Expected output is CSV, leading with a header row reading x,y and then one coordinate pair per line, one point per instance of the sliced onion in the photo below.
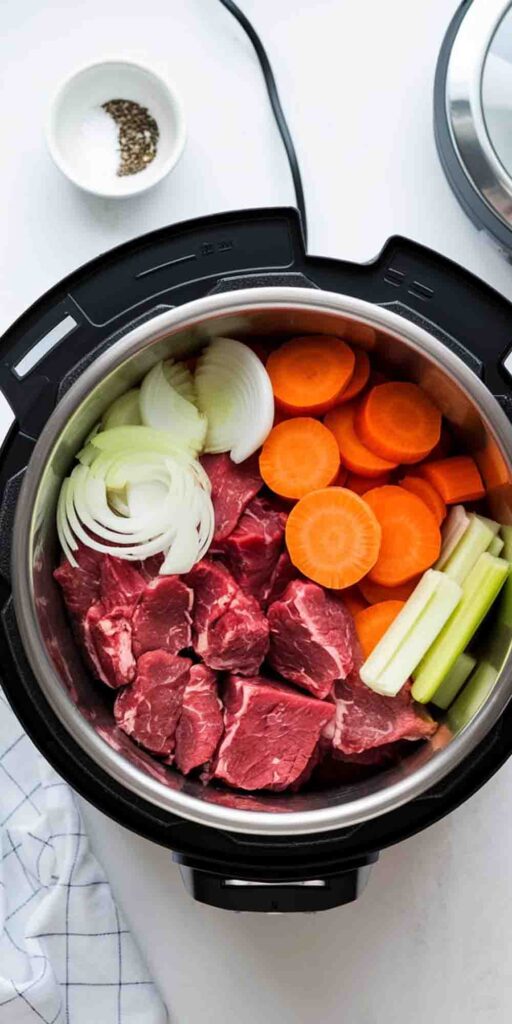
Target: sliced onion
x,y
235,394
164,407
125,411
137,503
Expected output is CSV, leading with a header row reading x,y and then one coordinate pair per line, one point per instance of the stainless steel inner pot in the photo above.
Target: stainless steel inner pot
x,y
83,706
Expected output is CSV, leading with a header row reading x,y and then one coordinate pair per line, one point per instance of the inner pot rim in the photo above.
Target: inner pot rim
x,y
193,315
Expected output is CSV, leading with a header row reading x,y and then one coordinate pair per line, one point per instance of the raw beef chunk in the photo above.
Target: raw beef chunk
x,y
271,733
121,584
84,630
162,619
233,487
230,632
201,722
111,635
150,567
149,709
365,719
80,586
282,575
311,637
252,549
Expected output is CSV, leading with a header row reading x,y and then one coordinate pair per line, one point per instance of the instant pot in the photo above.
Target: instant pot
x,y
84,343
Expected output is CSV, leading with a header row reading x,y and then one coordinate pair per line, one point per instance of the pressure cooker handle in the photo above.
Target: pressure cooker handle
x,y
304,896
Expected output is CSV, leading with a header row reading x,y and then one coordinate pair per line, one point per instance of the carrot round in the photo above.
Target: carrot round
x,y
456,479
427,493
359,377
299,455
354,601
399,422
411,539
333,537
353,454
310,374
373,622
362,484
375,594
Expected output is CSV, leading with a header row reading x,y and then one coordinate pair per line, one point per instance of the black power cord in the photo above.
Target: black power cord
x,y
277,109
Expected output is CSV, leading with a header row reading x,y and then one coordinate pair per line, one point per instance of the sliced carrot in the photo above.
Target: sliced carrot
x,y
341,478
359,377
374,593
411,538
353,600
362,484
333,537
427,493
456,479
299,455
353,454
399,422
310,374
373,622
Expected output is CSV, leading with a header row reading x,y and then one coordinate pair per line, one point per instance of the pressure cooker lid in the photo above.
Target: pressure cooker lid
x,y
473,114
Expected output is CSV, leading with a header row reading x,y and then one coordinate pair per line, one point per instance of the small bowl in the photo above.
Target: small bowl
x,y
83,142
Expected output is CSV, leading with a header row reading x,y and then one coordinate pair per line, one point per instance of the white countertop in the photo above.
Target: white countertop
x,y
431,939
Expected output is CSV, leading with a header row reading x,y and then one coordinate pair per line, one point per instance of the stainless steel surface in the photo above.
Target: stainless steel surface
x,y
83,707
479,102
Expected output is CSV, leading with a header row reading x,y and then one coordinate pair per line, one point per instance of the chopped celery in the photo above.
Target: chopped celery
x,y
454,681
505,610
475,540
496,546
125,411
480,588
411,634
476,690
453,529
492,524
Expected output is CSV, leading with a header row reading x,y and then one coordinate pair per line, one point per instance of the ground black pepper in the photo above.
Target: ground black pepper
x,y
138,135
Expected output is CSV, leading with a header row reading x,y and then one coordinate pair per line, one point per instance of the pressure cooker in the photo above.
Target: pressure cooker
x,y
93,336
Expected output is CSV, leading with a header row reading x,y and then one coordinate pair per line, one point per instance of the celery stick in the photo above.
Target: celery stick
x,y
411,634
476,690
492,524
496,546
505,609
475,540
453,529
454,681
479,590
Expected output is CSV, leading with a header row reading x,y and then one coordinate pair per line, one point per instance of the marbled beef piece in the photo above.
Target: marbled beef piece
x,y
162,619
230,632
80,586
312,637
252,549
149,709
121,584
201,721
233,487
271,733
111,637
365,719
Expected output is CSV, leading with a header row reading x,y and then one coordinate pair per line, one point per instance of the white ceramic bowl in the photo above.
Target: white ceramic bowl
x,y
83,143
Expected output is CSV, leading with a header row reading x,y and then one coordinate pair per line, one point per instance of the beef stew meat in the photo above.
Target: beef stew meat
x,y
252,549
201,722
150,708
233,487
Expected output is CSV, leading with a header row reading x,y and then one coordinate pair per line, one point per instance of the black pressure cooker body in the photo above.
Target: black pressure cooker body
x,y
49,348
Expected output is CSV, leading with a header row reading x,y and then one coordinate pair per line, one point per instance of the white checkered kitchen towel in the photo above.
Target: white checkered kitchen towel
x,y
66,956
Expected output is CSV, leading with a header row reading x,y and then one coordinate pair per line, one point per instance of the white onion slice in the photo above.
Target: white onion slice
x,y
234,391
164,408
133,502
125,411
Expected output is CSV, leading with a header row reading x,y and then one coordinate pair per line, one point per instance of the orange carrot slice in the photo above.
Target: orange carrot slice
x,y
333,537
299,455
353,600
399,422
362,484
374,593
427,493
411,538
353,454
309,374
456,479
359,377
373,622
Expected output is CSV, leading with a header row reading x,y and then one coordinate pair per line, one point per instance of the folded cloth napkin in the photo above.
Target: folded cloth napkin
x,y
66,955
